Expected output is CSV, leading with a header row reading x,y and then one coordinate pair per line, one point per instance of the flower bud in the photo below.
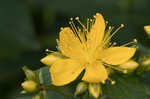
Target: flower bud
x,y
129,65
81,88
95,89
51,58
37,96
31,75
147,29
30,86
146,64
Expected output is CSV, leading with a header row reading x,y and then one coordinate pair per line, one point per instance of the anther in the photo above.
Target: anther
x,y
77,18
103,81
113,82
135,40
97,14
109,27
106,22
94,16
61,28
71,19
114,43
122,25
47,50
69,22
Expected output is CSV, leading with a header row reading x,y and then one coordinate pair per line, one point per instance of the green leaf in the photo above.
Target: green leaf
x,y
127,87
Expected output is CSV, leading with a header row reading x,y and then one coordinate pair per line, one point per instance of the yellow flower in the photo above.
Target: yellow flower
x,y
87,48
147,29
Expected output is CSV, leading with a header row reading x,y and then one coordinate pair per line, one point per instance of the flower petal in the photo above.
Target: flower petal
x,y
117,55
69,44
65,71
95,72
97,32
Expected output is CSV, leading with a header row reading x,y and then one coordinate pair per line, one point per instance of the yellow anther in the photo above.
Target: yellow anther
x,y
122,25
97,14
114,43
103,82
106,22
94,16
61,28
109,27
69,22
71,19
135,40
47,50
113,82
77,18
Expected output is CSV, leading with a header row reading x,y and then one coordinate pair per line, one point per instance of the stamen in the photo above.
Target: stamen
x,y
132,42
61,28
121,26
94,16
107,35
110,28
47,50
71,19
75,31
92,22
112,81
116,68
85,30
113,44
106,23
77,18
103,82
97,14
87,26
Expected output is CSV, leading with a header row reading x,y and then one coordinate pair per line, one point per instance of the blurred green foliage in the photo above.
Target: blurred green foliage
x,y
27,27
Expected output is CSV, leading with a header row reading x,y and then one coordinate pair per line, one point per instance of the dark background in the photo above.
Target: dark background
x,y
28,27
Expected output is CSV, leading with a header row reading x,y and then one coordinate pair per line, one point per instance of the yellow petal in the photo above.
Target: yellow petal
x,y
97,32
51,58
95,72
65,71
69,44
147,29
117,55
